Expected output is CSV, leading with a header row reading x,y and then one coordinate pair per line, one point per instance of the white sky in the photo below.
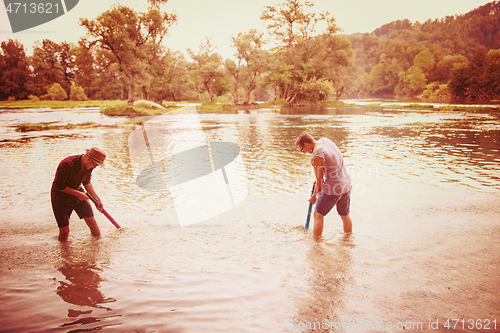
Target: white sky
x,y
221,19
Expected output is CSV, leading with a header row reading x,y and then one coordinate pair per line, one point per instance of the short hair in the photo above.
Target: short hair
x,y
304,138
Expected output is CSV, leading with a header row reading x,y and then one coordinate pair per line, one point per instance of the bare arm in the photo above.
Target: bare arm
x,y
80,195
317,163
90,188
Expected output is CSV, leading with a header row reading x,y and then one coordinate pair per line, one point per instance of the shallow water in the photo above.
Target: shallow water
x,y
425,212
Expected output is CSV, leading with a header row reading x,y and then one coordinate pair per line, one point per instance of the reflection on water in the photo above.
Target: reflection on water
x,y
82,278
424,208
81,268
329,274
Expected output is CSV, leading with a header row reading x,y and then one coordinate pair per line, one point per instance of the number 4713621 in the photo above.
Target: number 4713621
x,y
32,8
479,324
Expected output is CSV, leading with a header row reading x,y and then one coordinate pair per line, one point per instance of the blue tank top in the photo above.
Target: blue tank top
x,y
336,179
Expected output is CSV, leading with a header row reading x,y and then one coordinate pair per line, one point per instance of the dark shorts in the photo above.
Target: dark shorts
x,y
325,203
62,212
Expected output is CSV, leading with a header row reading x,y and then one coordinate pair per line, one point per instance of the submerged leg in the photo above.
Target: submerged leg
x,y
63,233
94,228
346,219
318,225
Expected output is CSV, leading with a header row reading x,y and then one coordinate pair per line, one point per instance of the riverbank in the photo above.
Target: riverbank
x,y
118,108
31,127
28,104
110,108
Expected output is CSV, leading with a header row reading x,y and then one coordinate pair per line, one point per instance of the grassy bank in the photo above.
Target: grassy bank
x,y
111,108
31,127
27,104
140,108
429,107
209,107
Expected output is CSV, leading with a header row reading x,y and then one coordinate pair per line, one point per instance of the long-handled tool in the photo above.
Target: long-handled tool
x,y
306,226
112,220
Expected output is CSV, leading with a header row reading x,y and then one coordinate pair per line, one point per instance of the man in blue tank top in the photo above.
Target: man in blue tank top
x,y
333,183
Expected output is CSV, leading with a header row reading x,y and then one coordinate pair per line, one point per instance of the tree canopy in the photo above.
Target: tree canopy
x,y
306,60
131,38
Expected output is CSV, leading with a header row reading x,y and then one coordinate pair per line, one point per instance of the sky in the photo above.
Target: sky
x,y
219,20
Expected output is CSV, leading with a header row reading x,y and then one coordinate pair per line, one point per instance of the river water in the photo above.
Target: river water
x,y
424,251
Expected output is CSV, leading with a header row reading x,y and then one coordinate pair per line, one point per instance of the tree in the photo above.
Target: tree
x,y
129,36
424,60
253,62
57,93
449,41
308,47
207,68
170,78
383,78
411,83
444,67
478,78
111,82
67,62
47,67
458,81
85,70
234,69
493,70
15,75
77,93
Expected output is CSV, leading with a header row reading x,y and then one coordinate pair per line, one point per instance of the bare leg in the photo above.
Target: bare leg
x,y
346,219
63,233
94,228
318,225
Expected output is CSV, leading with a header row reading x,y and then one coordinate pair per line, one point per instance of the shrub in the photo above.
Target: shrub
x,y
33,98
57,93
77,93
121,110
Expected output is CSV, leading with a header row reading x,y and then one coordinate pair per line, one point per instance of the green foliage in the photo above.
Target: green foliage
x,y
86,75
132,39
309,51
442,71
411,83
424,61
39,104
170,79
57,93
77,93
15,75
434,47
208,72
30,127
125,109
253,63
478,78
434,90
382,79
51,64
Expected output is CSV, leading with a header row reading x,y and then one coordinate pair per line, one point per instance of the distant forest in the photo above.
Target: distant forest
x,y
456,56
122,57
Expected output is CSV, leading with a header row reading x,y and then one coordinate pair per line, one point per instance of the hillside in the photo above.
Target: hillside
x,y
385,59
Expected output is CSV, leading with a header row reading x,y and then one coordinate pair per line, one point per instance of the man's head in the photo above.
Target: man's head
x,y
93,158
305,142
